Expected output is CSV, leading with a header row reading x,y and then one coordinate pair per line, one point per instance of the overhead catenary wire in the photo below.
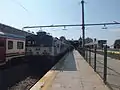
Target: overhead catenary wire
x,y
30,15
24,8
99,24
21,5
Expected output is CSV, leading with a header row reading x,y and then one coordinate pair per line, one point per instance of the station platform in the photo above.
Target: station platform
x,y
72,72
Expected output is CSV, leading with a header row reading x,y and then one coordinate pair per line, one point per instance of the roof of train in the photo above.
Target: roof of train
x,y
8,29
45,40
8,35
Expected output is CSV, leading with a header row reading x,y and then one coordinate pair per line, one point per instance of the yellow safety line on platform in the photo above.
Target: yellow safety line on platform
x,y
49,81
45,81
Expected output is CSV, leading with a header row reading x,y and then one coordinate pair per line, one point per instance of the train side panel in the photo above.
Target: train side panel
x,y
38,50
2,50
14,48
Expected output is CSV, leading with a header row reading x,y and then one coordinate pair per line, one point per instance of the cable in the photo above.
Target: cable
x,y
31,15
17,2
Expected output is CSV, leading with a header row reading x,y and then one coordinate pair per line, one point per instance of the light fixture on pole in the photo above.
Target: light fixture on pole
x,y
115,22
104,27
64,28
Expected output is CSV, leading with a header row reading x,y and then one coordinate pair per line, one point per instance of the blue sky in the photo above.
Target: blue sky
x,y
47,12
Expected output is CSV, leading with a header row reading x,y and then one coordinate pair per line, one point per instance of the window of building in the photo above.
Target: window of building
x,y
1,43
10,44
20,45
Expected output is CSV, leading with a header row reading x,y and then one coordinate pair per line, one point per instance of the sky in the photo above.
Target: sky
x,y
20,13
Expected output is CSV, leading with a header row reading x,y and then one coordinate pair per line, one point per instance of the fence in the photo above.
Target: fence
x,y
102,62
91,57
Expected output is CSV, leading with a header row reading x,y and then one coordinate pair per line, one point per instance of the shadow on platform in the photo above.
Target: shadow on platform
x,y
68,64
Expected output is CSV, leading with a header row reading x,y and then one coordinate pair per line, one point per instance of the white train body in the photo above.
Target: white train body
x,y
44,45
11,46
38,50
16,51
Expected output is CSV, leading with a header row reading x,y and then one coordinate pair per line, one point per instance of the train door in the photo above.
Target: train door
x,y
2,50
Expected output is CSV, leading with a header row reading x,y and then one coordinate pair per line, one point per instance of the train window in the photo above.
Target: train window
x,y
37,48
1,44
37,53
50,49
20,45
58,45
10,44
33,42
29,42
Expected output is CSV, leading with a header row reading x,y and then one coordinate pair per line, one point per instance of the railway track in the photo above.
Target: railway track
x,y
25,84
21,77
24,75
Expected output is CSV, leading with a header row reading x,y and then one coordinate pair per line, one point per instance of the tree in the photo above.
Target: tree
x,y
117,44
88,40
29,31
62,38
80,39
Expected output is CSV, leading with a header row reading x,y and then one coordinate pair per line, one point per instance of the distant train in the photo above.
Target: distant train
x,y
15,46
43,44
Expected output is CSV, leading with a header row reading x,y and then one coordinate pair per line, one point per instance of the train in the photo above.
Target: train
x,y
43,46
11,46
40,45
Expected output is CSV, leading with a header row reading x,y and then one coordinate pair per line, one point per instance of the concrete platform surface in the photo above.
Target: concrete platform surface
x,y
71,73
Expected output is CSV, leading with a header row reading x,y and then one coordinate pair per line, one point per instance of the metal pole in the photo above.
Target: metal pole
x,y
95,57
83,27
105,64
86,54
90,56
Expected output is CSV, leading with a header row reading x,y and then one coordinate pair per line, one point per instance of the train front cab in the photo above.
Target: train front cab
x,y
2,50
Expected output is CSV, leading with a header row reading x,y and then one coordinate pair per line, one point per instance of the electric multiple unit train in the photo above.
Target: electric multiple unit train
x,y
15,46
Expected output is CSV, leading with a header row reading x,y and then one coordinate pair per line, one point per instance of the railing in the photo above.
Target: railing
x,y
106,64
91,58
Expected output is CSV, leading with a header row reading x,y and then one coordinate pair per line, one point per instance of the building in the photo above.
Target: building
x,y
101,43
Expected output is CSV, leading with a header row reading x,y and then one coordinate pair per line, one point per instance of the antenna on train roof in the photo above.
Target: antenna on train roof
x,y
40,30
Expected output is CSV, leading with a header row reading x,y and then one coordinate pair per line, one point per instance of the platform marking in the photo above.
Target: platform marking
x,y
44,82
